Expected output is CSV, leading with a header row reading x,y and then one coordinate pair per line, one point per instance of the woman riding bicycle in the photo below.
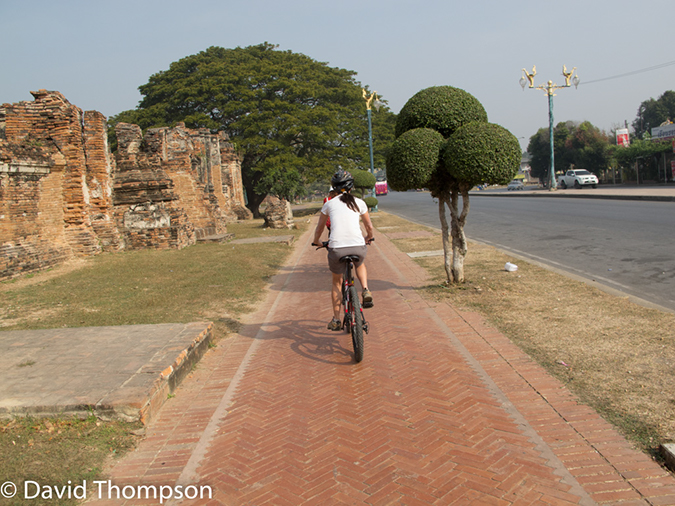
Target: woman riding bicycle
x,y
346,238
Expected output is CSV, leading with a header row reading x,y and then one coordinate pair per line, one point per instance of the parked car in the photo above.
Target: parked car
x,y
516,184
578,178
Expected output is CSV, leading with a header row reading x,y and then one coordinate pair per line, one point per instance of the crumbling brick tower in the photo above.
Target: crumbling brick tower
x,y
55,191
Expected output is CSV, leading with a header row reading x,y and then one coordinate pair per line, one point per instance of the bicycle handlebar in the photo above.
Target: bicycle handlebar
x,y
324,244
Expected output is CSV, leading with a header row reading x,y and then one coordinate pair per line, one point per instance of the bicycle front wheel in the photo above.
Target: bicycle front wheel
x,y
357,324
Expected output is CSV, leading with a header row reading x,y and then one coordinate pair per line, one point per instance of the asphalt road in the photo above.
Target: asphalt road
x,y
625,245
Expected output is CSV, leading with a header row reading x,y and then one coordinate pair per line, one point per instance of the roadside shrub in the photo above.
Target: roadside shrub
x,y
370,202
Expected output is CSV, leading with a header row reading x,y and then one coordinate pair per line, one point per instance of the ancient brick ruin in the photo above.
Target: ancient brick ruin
x,y
63,195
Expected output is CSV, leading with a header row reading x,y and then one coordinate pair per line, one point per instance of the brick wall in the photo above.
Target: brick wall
x,y
63,195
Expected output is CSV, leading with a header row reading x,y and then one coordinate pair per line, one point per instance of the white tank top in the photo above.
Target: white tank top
x,y
345,226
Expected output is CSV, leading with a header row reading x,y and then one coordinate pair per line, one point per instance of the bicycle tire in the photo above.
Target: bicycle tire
x,y
346,321
357,324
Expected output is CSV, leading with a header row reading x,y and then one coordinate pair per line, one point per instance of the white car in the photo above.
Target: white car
x,y
578,178
516,184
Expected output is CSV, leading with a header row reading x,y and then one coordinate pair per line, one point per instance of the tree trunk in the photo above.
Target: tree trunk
x,y
254,202
459,247
444,200
250,179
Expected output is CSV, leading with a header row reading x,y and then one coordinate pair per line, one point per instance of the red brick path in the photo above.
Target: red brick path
x,y
442,410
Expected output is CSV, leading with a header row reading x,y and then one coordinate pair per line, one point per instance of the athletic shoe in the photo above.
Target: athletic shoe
x,y
367,298
335,324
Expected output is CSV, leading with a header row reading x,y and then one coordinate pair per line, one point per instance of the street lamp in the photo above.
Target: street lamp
x,y
371,100
549,89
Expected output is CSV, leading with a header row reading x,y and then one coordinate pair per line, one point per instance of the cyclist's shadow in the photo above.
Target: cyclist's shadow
x,y
311,339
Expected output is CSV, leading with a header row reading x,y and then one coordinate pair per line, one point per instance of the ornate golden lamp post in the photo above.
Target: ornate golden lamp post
x,y
549,89
370,101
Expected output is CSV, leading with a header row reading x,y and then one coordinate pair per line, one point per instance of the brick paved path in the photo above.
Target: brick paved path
x,y
443,410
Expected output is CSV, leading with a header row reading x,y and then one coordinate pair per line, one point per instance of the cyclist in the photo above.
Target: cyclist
x,y
346,238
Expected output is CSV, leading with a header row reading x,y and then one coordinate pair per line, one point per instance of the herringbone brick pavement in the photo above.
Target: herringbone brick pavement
x,y
442,410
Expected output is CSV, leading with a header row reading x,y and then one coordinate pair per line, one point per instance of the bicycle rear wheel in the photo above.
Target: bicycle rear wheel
x,y
357,324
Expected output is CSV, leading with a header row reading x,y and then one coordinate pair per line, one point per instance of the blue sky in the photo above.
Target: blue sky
x,y
97,53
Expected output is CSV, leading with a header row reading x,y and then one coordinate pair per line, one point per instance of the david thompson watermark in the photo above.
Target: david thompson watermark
x,y
104,490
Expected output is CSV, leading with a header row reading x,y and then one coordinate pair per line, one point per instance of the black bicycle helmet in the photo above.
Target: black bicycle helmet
x,y
342,181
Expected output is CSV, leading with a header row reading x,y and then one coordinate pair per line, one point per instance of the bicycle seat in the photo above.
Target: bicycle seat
x,y
350,258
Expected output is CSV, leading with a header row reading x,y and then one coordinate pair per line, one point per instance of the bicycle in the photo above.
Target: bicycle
x,y
354,322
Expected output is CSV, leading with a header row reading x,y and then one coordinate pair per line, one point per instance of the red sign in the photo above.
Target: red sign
x,y
622,137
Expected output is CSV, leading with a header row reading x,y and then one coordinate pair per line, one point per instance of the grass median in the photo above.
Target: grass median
x,y
615,355
212,282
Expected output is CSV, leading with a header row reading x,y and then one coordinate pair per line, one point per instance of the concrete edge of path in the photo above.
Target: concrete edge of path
x,y
93,389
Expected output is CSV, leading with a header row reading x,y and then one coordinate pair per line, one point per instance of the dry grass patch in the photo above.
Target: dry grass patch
x,y
617,356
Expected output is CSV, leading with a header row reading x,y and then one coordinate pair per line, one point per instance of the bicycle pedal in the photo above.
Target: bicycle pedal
x,y
365,327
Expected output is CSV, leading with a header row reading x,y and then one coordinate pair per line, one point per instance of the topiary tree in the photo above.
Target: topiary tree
x,y
363,180
444,143
371,202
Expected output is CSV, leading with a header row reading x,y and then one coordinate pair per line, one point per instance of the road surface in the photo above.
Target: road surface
x,y
625,245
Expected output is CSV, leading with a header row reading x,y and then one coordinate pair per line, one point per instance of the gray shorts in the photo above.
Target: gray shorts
x,y
334,256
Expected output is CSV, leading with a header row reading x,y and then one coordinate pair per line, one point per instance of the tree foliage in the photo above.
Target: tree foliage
x,y
647,153
481,153
441,108
582,146
371,202
293,119
363,180
653,113
413,158
445,143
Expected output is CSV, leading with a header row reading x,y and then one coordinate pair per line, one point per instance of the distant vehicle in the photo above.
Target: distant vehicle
x,y
577,178
516,184
381,188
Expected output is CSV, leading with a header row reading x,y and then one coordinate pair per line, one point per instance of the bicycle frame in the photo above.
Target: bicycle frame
x,y
348,306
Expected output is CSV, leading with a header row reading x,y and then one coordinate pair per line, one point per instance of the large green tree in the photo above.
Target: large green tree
x,y
582,145
653,113
294,120
588,148
445,143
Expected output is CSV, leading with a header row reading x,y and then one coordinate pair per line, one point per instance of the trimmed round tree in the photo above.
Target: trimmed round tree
x,y
413,158
363,180
445,143
371,202
441,108
476,153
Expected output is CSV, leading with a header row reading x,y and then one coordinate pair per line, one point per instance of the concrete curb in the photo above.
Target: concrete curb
x,y
651,198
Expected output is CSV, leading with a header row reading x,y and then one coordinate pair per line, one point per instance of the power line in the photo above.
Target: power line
x,y
648,69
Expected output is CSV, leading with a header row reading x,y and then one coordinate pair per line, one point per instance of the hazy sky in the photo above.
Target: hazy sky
x,y
97,53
